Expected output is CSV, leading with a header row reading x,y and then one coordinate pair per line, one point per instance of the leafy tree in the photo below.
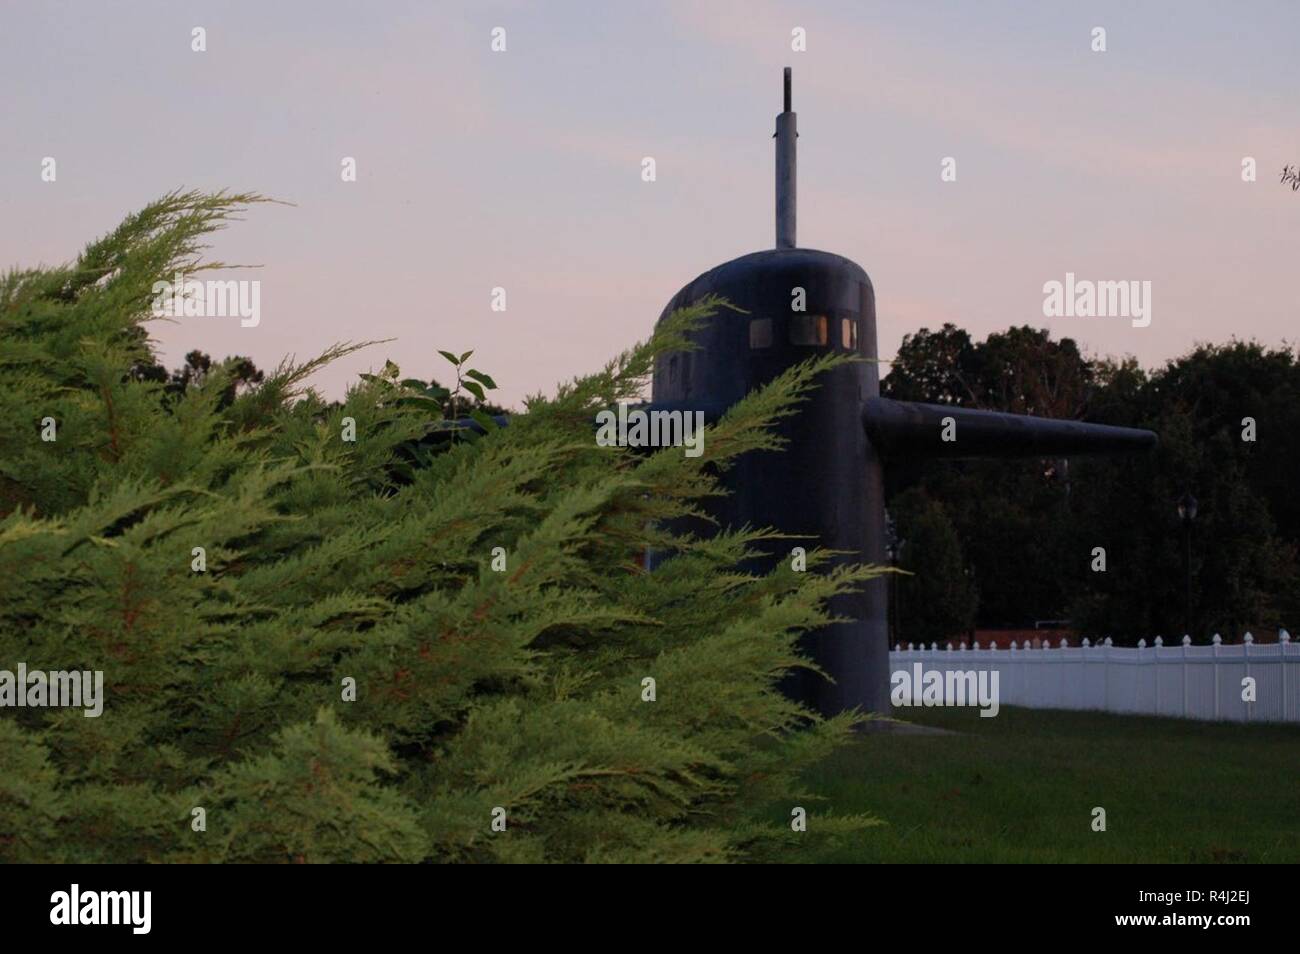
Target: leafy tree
x,y
240,371
1244,538
466,399
937,600
1019,371
1011,516
934,367
335,664
1031,529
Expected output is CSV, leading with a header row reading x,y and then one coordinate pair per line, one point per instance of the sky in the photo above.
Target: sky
x,y
522,169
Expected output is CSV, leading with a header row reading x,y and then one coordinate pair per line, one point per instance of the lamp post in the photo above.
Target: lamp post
x,y
1186,514
894,552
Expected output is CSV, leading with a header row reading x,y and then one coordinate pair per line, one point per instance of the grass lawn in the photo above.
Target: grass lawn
x,y
1022,787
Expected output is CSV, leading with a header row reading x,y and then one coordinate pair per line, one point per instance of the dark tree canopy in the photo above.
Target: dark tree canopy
x,y
1029,529
937,599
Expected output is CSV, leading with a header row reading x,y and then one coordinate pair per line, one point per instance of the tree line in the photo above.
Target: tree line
x,y
1099,542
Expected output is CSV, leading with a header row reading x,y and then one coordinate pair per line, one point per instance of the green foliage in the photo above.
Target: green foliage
x,y
1244,539
198,365
1020,370
329,561
937,601
1029,527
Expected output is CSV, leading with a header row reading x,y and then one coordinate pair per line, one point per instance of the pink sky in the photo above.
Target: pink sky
x,y
522,169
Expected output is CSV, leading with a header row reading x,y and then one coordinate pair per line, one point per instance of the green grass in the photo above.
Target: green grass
x,y
1021,787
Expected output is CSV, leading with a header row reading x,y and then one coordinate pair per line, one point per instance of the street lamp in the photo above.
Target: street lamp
x,y
894,553
1186,514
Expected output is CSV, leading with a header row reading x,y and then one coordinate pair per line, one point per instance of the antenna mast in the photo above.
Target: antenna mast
x,y
786,134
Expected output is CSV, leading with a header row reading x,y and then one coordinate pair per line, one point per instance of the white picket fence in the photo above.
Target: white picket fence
x,y
1190,682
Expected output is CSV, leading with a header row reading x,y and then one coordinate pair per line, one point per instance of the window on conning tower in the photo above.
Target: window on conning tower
x,y
808,330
